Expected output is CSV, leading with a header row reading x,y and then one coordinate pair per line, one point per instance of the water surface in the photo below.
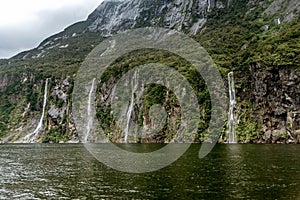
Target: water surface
x,y
64,171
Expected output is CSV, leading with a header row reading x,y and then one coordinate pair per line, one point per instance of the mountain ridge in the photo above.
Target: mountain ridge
x,y
203,8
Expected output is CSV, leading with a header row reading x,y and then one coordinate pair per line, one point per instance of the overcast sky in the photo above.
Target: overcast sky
x,y
25,23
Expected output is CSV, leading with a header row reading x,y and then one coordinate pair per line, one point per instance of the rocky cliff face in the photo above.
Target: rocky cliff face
x,y
114,16
276,103
267,84
57,124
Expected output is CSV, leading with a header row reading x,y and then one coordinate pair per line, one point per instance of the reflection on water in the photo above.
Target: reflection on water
x,y
230,171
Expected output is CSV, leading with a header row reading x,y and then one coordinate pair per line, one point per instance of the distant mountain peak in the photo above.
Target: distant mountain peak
x,y
117,15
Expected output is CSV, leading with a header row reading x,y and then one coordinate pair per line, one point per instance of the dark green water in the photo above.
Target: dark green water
x,y
68,171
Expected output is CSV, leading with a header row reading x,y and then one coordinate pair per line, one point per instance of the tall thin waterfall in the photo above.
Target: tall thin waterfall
x,y
131,105
232,102
90,115
31,137
40,125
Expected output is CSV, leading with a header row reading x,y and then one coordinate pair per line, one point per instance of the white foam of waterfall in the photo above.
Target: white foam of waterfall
x,y
232,102
90,116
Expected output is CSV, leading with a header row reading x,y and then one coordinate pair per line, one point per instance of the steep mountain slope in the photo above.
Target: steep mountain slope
x,y
258,40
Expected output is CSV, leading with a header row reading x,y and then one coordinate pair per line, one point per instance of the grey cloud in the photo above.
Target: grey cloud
x,y
26,36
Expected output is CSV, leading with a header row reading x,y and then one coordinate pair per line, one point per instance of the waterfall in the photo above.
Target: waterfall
x,y
90,116
232,102
131,105
209,6
40,124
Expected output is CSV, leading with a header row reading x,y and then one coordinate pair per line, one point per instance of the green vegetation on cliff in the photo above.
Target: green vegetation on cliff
x,y
242,37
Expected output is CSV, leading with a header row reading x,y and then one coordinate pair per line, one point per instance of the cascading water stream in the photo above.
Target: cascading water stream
x,y
40,124
90,116
130,107
232,102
